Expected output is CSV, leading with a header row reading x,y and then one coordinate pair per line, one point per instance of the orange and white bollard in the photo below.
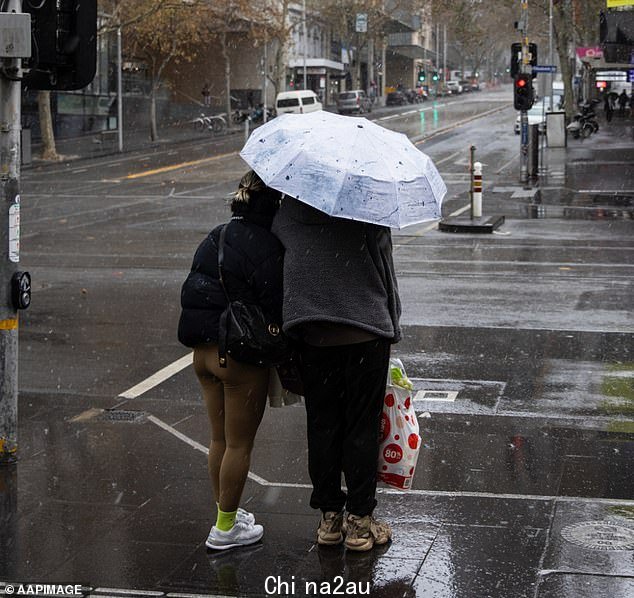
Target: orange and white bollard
x,y
476,201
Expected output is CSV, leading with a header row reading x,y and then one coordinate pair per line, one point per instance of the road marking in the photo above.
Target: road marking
x,y
140,175
507,164
446,396
10,324
419,140
158,377
604,192
451,493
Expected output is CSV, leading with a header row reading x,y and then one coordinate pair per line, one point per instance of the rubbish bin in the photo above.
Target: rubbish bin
x,y
556,129
25,145
533,150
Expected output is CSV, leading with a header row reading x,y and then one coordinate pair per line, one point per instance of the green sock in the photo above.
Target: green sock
x,y
225,521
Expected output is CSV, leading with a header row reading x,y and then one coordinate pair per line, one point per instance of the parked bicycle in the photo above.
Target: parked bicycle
x,y
215,123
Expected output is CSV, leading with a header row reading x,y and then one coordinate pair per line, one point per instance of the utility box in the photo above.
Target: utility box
x,y
556,129
15,35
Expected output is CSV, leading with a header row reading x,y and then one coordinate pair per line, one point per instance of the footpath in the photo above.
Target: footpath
x,y
525,482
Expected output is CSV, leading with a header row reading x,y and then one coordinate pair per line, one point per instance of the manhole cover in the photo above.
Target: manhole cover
x,y
120,415
599,535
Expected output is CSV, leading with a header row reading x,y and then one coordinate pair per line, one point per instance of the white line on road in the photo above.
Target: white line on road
x,y
507,164
158,377
262,482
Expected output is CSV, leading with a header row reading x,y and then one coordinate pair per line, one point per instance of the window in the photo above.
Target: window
x,y
288,102
308,100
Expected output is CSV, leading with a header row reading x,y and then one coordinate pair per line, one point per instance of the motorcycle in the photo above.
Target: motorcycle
x,y
584,123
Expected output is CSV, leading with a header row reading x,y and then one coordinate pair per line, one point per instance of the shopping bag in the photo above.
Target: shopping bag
x,y
278,395
399,437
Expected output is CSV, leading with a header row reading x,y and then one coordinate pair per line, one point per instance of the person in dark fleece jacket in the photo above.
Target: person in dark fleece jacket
x,y
235,395
341,305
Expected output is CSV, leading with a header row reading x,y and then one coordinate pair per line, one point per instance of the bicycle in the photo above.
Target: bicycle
x,y
215,123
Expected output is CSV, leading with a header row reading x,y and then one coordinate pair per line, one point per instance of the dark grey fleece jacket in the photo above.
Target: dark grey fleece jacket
x,y
337,271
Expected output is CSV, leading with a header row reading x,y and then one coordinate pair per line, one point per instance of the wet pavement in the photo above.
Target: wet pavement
x,y
519,345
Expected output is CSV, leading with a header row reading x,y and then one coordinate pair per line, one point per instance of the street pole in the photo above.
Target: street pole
x,y
265,69
305,39
437,60
524,68
10,117
119,90
551,75
444,54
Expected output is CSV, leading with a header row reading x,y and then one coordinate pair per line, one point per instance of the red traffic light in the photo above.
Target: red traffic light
x,y
521,82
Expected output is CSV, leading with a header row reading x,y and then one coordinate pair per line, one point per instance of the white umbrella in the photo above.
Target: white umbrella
x,y
347,167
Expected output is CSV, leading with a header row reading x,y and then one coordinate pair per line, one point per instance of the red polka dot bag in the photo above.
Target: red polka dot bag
x,y
399,438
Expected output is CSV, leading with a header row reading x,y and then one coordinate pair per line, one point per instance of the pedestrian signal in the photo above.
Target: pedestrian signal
x,y
523,91
65,44
435,76
421,75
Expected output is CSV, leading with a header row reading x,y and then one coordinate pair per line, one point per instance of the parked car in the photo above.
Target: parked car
x,y
297,102
454,87
355,100
466,86
395,98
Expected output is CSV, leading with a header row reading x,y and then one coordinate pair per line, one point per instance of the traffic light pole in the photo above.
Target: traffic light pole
x,y
524,68
10,106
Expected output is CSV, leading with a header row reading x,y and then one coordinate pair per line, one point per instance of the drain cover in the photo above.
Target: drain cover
x,y
121,415
599,535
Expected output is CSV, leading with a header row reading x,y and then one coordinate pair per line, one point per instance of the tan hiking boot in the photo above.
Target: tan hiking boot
x,y
362,533
329,532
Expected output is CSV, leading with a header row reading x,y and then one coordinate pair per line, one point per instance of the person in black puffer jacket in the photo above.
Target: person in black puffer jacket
x,y
235,395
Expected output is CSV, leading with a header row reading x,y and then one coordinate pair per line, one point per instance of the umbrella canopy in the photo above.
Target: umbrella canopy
x,y
347,167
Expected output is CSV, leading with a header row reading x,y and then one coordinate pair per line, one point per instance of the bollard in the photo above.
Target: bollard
x,y
476,195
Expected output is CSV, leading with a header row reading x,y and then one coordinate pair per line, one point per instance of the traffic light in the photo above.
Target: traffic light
x,y
434,76
421,75
64,33
523,91
516,57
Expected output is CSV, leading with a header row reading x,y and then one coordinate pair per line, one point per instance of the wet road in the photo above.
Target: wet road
x,y
526,333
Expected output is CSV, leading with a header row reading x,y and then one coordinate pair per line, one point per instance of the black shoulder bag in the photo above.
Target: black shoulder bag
x,y
245,332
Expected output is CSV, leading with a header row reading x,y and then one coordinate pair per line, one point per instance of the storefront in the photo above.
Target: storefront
x,y
322,76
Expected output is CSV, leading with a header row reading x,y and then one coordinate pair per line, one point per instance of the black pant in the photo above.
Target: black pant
x,y
344,387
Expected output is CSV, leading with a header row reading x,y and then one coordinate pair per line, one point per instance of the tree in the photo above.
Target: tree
x,y
49,150
159,33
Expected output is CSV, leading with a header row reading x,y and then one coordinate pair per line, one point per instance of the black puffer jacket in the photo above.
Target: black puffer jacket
x,y
252,271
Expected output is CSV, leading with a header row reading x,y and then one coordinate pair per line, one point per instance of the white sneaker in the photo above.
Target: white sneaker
x,y
243,515
241,534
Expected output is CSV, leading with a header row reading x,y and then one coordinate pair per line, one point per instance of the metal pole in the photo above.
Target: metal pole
x,y
444,55
437,59
384,76
524,68
10,121
264,107
551,75
472,150
305,39
119,89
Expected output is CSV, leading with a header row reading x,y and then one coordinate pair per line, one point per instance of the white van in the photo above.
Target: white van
x,y
297,102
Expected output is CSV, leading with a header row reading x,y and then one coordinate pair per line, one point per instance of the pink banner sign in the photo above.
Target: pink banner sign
x,y
590,52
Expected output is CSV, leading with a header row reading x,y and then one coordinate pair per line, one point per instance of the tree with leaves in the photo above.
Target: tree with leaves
x,y
160,33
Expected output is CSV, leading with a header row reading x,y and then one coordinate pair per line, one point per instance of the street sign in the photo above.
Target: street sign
x,y
544,68
362,23
630,76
